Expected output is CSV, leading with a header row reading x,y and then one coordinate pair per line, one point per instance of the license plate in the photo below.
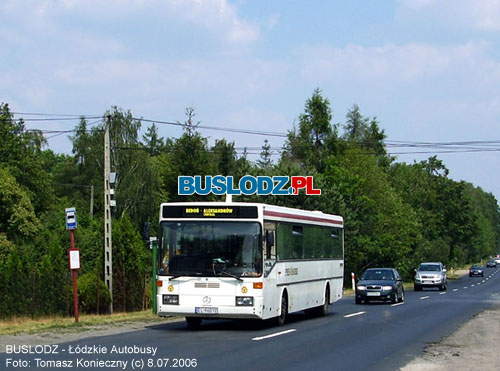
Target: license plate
x,y
206,310
373,294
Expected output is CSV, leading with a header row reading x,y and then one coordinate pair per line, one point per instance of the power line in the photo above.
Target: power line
x,y
219,128
53,114
437,147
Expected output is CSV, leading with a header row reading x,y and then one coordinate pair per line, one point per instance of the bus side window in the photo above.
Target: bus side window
x,y
298,241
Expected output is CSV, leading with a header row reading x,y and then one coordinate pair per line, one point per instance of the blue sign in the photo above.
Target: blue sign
x,y
70,218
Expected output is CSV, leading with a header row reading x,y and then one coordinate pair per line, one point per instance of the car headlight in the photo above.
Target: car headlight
x,y
386,288
361,288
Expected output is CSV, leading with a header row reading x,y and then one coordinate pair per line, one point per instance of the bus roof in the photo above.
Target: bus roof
x,y
269,212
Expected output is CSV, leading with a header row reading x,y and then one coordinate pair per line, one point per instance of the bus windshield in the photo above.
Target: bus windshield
x,y
210,248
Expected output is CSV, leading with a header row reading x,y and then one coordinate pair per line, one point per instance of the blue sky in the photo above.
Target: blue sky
x,y
429,70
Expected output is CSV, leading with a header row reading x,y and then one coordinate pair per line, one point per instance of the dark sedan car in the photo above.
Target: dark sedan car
x,y
380,284
476,270
491,263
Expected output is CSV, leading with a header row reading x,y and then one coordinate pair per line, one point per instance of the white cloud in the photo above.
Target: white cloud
x,y
217,16
481,15
405,64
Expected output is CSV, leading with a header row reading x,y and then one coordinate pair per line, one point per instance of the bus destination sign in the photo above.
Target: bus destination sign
x,y
204,212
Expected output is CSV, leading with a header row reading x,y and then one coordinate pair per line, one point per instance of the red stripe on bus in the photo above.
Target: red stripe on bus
x,y
301,217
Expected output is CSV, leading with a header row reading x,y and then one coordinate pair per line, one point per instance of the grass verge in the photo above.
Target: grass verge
x,y
17,325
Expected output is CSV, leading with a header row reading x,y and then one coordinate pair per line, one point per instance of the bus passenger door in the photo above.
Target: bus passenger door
x,y
271,304
269,247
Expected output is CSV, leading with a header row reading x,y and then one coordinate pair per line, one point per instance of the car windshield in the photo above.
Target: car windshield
x,y
210,249
429,268
378,274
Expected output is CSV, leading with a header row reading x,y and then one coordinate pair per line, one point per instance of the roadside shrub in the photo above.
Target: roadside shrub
x,y
93,295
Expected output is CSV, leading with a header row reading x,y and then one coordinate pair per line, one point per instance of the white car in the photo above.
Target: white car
x,y
430,275
497,260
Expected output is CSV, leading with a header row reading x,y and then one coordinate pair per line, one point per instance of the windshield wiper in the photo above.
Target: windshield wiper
x,y
185,274
228,274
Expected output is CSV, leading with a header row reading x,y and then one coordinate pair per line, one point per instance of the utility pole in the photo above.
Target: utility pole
x,y
91,202
108,252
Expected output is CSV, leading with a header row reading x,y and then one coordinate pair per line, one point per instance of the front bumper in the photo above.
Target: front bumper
x,y
225,307
476,273
429,282
368,295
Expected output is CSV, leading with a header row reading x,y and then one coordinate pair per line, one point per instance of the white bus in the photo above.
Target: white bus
x,y
247,260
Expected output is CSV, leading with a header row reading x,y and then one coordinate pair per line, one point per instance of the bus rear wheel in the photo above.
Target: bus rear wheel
x,y
193,322
280,320
323,310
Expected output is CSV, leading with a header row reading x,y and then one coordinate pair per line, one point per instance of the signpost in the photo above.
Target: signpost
x,y
73,254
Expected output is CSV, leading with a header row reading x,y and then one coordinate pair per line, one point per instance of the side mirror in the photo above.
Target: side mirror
x,y
269,239
269,243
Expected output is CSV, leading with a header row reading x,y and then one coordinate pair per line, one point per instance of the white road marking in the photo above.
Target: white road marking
x,y
465,287
424,297
470,286
354,314
395,305
455,290
443,293
275,334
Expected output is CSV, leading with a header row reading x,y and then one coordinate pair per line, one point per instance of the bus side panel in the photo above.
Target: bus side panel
x,y
305,281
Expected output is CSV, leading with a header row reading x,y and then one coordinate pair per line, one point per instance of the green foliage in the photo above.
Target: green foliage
x,y
93,295
131,266
17,215
395,214
20,152
316,136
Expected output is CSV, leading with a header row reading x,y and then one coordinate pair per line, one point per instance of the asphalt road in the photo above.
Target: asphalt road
x,y
352,337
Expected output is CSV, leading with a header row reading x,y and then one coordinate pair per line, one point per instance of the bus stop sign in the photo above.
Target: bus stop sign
x,y
70,218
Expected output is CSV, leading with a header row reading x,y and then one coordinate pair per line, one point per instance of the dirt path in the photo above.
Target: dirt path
x,y
474,346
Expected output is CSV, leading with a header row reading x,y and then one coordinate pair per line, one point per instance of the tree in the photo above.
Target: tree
x,y
17,215
153,143
225,157
265,160
316,136
363,132
131,265
20,152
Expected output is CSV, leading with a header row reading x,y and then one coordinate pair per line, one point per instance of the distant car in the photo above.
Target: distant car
x,y
430,275
380,284
491,263
476,270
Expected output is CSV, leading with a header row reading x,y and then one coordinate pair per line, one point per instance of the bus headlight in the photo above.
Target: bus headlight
x,y
244,301
171,299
